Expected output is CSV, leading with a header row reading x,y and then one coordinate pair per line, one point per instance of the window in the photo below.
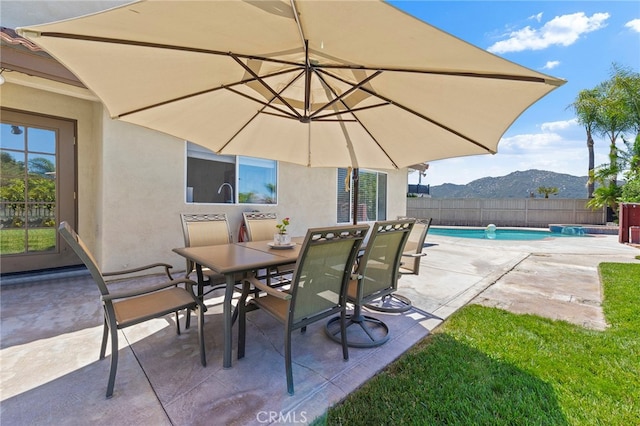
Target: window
x,y
215,178
372,196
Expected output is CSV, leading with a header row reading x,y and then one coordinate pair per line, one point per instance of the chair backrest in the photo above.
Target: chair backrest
x,y
415,245
322,272
204,230
260,226
380,262
84,254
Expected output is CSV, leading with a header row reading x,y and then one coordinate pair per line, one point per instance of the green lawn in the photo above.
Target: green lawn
x,y
40,239
486,366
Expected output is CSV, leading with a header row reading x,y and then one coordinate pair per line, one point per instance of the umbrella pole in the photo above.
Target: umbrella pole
x,y
355,188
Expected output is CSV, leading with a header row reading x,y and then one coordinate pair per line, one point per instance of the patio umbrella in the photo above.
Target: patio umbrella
x,y
318,83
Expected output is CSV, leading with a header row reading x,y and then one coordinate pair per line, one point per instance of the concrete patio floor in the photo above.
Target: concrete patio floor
x,y
51,331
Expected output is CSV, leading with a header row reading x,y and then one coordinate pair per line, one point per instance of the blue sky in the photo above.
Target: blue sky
x,y
574,40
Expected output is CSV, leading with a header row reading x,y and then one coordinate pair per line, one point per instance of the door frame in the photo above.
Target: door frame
x,y
66,191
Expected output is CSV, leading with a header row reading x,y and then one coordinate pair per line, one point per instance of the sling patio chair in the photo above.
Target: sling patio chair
x,y
206,230
129,307
410,265
376,276
261,226
318,288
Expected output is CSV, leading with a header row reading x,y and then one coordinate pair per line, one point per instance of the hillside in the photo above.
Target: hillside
x,y
515,185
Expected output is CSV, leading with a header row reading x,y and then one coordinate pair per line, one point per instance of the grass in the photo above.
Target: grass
x,y
40,239
486,366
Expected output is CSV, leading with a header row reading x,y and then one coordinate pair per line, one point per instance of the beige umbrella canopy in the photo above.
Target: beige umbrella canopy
x,y
317,83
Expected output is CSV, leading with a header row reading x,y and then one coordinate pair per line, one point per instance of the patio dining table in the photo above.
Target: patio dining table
x,y
232,259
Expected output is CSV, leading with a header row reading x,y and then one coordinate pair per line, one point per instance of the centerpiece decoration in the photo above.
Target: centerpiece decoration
x,y
281,237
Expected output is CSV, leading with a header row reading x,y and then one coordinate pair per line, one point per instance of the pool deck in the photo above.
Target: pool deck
x,y
51,330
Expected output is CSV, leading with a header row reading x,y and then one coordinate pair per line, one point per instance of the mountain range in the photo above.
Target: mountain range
x,y
520,184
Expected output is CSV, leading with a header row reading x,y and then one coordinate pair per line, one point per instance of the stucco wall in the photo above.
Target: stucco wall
x,y
144,193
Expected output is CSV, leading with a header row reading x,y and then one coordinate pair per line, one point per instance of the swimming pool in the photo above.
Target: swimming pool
x,y
500,234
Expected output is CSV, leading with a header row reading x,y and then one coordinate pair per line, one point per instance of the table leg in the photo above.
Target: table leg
x,y
227,309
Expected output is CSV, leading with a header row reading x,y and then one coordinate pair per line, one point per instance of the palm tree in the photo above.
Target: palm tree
x,y
586,107
547,190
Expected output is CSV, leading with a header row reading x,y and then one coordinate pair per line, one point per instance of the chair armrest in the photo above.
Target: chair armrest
x,y
140,291
166,267
269,290
413,254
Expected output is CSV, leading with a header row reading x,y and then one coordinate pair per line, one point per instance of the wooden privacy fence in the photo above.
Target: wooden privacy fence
x,y
527,212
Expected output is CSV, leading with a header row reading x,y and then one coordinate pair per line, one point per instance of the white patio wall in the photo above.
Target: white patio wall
x,y
529,212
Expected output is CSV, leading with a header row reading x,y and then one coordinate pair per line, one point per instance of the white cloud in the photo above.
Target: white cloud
x,y
634,25
559,147
554,126
551,65
537,17
562,30
528,142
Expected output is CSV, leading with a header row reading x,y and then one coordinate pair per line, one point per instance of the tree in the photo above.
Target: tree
x,y
586,106
612,120
618,113
42,166
547,190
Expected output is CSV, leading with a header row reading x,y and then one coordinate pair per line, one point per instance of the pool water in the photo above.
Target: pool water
x,y
500,234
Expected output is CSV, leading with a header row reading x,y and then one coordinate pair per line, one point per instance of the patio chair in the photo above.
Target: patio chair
x,y
411,256
376,276
130,307
206,230
318,288
261,226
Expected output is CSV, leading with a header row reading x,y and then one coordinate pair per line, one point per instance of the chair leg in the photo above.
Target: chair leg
x,y
241,312
203,357
105,336
187,322
201,296
242,325
114,360
287,360
178,322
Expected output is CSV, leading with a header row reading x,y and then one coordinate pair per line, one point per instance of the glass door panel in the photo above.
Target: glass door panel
x,y
32,148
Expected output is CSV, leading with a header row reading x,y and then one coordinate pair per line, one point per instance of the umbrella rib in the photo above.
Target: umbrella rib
x,y
138,43
284,113
262,111
359,122
448,73
266,86
202,92
268,104
332,114
416,113
346,93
